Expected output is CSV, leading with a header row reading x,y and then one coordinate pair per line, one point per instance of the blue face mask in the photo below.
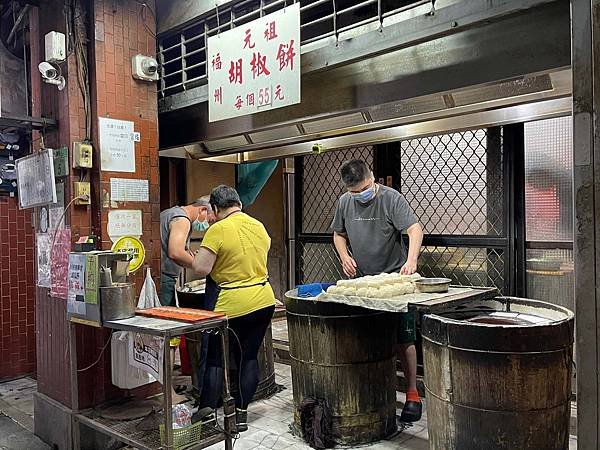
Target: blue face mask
x,y
200,226
366,195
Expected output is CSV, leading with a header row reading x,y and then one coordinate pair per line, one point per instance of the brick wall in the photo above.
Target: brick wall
x,y
17,293
116,32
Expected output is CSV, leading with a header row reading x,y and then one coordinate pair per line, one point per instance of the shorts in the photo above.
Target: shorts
x,y
407,333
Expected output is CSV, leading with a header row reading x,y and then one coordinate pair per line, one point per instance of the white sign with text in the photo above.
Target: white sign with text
x,y
255,66
117,147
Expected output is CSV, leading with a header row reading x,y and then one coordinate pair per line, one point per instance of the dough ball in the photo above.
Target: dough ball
x,y
362,292
345,283
334,289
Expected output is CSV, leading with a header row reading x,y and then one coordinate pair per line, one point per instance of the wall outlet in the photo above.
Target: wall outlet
x,y
82,155
82,188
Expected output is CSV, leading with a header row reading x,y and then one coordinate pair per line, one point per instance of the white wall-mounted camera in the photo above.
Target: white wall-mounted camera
x,y
144,68
51,74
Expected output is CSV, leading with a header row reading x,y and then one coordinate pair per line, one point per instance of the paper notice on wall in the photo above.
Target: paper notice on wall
x,y
146,353
124,222
43,259
129,190
117,147
59,263
55,219
76,284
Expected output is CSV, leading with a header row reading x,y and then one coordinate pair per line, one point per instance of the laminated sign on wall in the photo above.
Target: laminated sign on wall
x,y
117,145
255,66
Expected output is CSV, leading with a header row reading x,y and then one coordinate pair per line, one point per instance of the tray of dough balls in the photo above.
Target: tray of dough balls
x,y
384,292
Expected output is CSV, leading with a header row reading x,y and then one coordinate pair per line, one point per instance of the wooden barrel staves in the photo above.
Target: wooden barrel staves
x,y
498,376
345,356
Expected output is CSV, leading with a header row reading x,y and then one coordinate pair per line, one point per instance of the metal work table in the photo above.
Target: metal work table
x,y
126,431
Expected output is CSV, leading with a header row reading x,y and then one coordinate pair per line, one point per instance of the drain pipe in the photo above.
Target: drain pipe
x,y
290,220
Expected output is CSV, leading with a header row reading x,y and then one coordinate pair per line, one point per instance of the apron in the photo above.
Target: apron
x,y
211,296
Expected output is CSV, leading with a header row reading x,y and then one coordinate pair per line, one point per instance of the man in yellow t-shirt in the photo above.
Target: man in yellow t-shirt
x,y
234,253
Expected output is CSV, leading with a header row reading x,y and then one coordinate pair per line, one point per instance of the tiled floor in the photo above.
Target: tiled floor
x,y
16,416
269,421
269,424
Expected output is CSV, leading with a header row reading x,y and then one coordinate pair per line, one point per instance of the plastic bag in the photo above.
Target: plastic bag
x,y
124,375
182,416
148,295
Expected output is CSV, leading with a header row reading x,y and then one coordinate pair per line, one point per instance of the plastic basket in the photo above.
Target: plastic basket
x,y
183,437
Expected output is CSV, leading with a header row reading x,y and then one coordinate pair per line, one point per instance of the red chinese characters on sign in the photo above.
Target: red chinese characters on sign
x,y
238,102
216,62
285,55
259,65
219,95
235,72
248,40
278,93
250,99
270,32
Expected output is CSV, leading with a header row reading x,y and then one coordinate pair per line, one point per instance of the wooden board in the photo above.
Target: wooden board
x,y
180,314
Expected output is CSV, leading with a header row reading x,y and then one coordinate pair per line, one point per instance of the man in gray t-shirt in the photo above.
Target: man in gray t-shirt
x,y
369,221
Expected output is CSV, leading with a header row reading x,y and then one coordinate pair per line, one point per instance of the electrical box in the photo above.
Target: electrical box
x,y
82,155
56,48
82,188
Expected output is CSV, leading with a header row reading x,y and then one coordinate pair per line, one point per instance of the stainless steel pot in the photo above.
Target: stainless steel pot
x,y
117,301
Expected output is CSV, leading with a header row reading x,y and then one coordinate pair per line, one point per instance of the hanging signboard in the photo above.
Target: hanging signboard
x,y
117,147
35,179
256,66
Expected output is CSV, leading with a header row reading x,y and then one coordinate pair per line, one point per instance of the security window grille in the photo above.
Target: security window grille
x,y
456,185
182,53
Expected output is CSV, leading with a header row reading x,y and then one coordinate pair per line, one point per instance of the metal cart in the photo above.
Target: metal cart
x,y
126,431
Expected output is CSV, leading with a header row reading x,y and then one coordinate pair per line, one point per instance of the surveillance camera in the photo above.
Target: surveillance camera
x,y
144,68
150,66
48,71
51,74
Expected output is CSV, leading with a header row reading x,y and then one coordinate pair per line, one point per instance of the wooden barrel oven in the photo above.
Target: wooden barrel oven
x,y
344,355
498,376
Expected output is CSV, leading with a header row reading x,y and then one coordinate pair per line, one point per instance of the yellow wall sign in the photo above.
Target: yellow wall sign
x,y
133,246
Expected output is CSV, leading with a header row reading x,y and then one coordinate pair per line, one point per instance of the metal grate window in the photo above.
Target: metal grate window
x,y
444,178
319,262
464,266
182,54
456,187
322,186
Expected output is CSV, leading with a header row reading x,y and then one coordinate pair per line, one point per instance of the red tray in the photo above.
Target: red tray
x,y
181,314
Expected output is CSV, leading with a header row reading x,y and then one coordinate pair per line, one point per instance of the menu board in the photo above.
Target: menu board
x,y
35,179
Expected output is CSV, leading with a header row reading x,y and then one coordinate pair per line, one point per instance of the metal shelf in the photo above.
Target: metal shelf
x,y
26,122
127,432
